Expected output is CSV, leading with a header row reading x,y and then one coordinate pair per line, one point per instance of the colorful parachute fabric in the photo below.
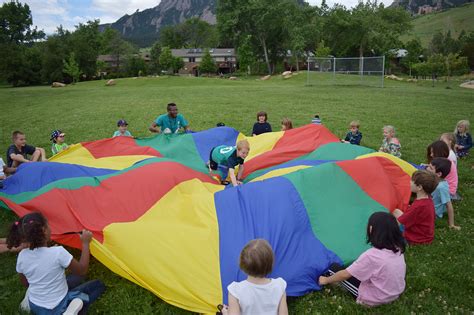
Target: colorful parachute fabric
x,y
160,220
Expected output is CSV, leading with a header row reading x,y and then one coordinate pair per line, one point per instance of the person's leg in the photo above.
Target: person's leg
x,y
93,289
36,155
74,281
43,154
351,284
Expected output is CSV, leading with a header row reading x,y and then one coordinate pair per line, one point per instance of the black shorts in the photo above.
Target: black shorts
x,y
212,164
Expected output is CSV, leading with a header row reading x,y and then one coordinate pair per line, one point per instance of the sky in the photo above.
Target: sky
x,y
49,14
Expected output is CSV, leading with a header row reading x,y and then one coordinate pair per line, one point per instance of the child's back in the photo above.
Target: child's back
x,y
258,298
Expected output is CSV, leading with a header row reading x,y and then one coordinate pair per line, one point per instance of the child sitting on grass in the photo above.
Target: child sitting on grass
x,y
230,157
316,120
261,126
450,140
41,269
378,275
286,124
440,149
418,220
441,198
57,136
122,129
390,144
258,294
354,135
463,138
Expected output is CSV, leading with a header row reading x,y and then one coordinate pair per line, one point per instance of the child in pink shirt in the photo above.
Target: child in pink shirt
x,y
439,149
378,275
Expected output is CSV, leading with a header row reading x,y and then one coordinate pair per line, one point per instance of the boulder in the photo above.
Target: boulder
x,y
287,76
468,85
265,78
286,73
233,78
58,84
110,82
393,77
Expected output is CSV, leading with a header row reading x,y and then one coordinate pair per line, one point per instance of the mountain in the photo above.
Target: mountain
x,y
454,20
427,6
143,27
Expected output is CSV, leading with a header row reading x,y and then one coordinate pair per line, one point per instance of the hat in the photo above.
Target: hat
x,y
220,124
122,122
56,133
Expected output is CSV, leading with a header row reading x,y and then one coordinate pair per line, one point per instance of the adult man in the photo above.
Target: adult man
x,y
171,122
18,152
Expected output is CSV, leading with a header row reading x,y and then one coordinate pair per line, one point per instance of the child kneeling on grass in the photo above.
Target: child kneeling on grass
x,y
378,275
258,294
230,157
419,219
41,269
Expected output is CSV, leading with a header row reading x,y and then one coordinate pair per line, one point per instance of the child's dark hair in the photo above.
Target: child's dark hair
x,y
262,114
427,180
30,229
441,165
256,258
383,232
439,149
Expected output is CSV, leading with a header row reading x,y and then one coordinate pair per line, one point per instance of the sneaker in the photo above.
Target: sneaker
x,y
74,307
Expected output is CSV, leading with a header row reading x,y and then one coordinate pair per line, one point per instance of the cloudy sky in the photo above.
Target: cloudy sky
x,y
48,14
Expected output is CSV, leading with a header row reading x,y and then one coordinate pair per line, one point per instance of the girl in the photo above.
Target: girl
x,y
286,124
57,136
390,144
463,138
261,126
440,149
258,294
41,269
378,275
450,140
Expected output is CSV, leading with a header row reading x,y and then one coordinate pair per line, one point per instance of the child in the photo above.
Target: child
x,y
19,151
316,120
390,144
122,129
450,140
258,294
261,126
2,172
441,149
463,138
378,275
57,136
41,269
419,218
4,247
230,157
441,199
286,124
354,135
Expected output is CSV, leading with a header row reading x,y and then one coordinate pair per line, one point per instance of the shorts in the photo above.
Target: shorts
x,y
212,164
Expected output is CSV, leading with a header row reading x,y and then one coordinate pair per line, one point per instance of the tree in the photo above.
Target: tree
x,y
207,64
322,51
245,55
55,49
135,66
166,59
171,37
155,58
71,68
85,42
197,33
113,44
414,51
178,63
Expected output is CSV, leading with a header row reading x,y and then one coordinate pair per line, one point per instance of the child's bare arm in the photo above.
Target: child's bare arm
x,y
397,213
23,280
80,267
18,158
234,307
241,171
283,307
337,277
450,209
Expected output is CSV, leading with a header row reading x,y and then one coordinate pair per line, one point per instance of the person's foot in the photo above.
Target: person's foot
x,y
455,227
225,182
74,307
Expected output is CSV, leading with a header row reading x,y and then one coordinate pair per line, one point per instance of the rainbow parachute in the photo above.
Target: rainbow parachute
x,y
160,220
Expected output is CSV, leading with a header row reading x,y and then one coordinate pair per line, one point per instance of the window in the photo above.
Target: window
x,y
192,59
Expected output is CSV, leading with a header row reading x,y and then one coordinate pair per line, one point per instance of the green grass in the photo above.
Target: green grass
x,y
439,276
454,20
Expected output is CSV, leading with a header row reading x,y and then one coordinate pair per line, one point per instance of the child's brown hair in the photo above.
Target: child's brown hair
x,y
256,258
262,113
287,123
427,180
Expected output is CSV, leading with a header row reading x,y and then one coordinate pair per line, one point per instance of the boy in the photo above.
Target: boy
x,y
419,218
316,120
18,152
441,198
230,157
354,135
57,136
171,122
122,129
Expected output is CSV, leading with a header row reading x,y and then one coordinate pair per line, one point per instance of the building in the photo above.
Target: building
x,y
225,59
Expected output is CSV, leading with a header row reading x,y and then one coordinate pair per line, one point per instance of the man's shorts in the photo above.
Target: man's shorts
x,y
212,164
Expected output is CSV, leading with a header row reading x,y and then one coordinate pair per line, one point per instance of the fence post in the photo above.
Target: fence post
x,y
383,70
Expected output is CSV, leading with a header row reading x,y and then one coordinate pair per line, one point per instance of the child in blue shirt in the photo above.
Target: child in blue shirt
x,y
463,138
441,197
230,157
122,129
354,135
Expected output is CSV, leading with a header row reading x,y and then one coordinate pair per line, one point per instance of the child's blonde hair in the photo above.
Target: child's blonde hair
x,y
464,123
450,137
355,123
287,123
243,144
256,258
390,129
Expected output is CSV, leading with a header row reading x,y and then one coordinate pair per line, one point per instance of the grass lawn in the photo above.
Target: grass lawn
x,y
439,276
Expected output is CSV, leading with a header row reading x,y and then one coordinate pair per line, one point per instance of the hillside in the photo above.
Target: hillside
x,y
455,20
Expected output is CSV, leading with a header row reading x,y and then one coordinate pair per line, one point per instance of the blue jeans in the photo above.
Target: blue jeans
x,y
88,292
